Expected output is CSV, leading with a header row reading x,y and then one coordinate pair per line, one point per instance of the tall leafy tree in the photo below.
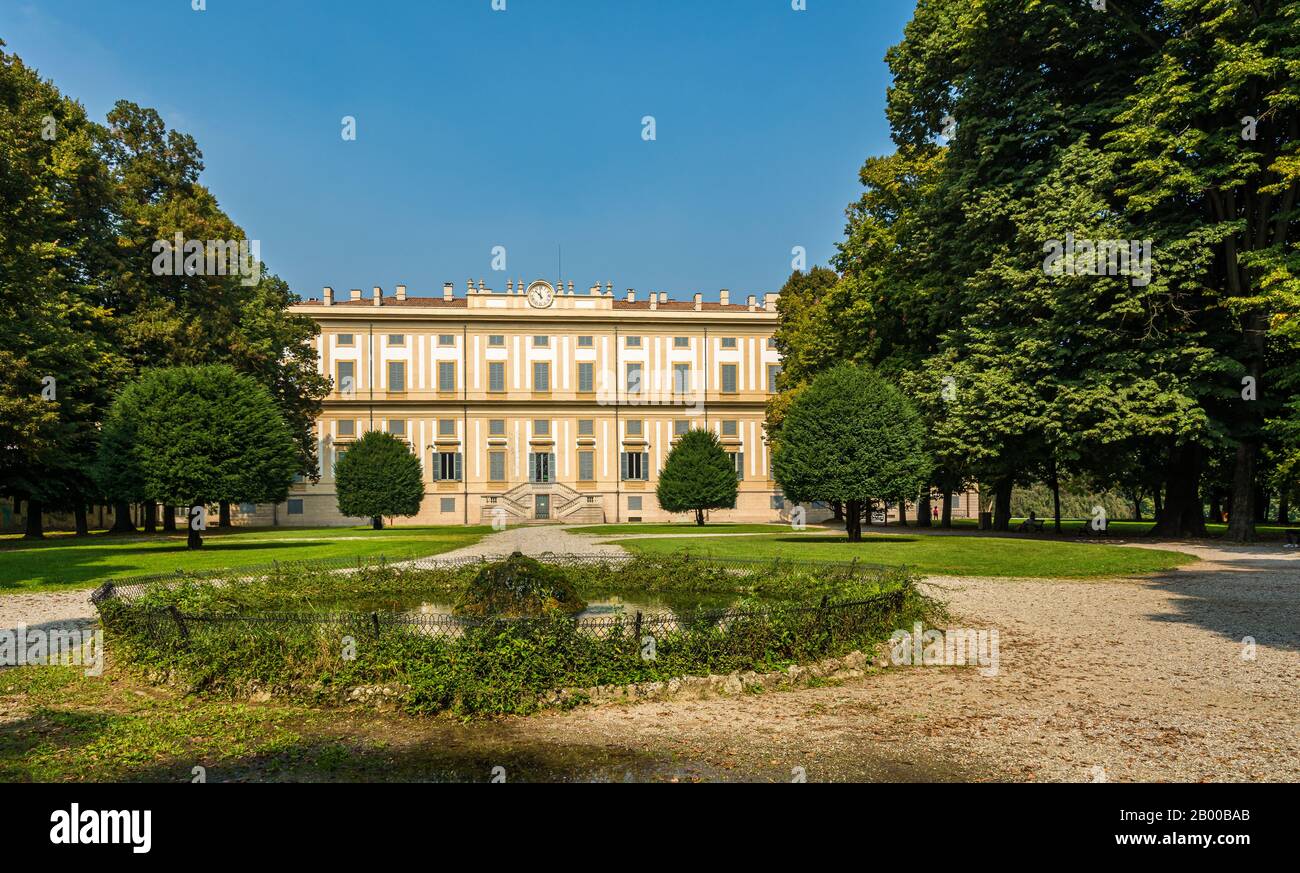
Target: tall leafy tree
x,y
698,475
378,476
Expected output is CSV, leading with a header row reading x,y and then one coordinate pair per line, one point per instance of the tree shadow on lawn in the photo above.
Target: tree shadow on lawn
x,y
1250,595
88,564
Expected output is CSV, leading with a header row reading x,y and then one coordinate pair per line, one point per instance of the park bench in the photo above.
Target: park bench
x,y
1087,530
1031,525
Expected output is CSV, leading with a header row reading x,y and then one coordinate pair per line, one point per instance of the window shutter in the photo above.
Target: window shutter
x,y
550,467
437,466
645,466
740,465
623,456
532,467
459,466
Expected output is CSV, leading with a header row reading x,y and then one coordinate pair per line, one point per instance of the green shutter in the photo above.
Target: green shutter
x,y
740,465
437,466
622,459
532,467
459,467
645,466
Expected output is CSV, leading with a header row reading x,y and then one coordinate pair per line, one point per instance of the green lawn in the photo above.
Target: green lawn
x,y
936,555
1123,527
679,528
62,560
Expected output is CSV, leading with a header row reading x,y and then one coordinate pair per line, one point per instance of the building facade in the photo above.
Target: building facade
x,y
539,404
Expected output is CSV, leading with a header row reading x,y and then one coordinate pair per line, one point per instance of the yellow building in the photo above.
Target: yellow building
x,y
542,404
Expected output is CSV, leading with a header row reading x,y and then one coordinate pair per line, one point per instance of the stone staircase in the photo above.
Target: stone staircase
x,y
568,505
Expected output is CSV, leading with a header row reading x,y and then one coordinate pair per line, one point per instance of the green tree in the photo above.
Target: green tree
x,y
188,436
378,476
698,475
850,436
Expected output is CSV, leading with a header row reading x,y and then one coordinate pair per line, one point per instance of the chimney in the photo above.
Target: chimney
x,y
663,296
699,301
401,292
724,296
356,293
379,296
749,303
327,295
631,295
769,301
654,300
448,291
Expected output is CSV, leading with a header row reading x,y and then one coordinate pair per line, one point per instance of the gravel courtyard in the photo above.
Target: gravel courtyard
x,y
1120,680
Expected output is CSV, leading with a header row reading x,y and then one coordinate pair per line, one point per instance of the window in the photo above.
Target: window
x,y
541,342
681,378
778,501
447,504
496,466
295,507
586,427
773,370
586,466
247,508
397,339
586,377
634,503
681,342
729,428
636,466
396,375
681,426
446,466
446,375
496,376
541,376
496,427
541,427
446,339
633,427
633,378
496,339
585,342
397,426
347,427
728,378
738,461
346,377
956,501
634,342
447,427
728,342
541,466
345,339
771,343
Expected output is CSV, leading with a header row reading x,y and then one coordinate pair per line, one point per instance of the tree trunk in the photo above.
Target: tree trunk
x,y
223,513
699,517
1158,504
195,538
1137,505
1283,507
1002,505
923,508
1181,514
1056,498
377,522
169,519
83,525
35,529
1241,515
1260,515
902,512
945,517
1216,509
122,518
853,520
837,510
151,517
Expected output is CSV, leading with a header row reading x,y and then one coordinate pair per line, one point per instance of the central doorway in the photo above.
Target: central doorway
x,y
541,506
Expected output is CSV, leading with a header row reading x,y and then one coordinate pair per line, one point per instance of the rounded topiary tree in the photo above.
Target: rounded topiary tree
x,y
519,586
378,476
188,436
698,475
850,436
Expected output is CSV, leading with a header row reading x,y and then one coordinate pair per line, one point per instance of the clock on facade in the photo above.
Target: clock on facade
x,y
540,294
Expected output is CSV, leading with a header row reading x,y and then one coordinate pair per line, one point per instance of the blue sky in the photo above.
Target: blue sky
x,y
523,128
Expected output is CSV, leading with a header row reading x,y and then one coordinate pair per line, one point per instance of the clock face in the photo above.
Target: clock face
x,y
541,294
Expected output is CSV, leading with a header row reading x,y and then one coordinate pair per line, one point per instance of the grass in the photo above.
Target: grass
x,y
935,555
66,561
1125,528
678,528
